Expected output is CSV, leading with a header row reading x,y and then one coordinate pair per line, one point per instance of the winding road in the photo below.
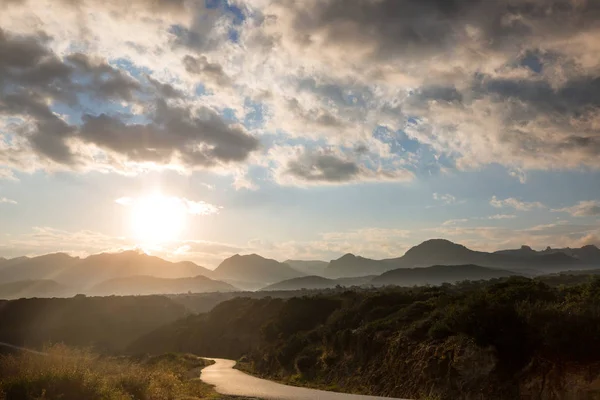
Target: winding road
x,y
233,382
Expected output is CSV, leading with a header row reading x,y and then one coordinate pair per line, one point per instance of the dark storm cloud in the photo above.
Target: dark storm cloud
x,y
200,140
49,133
30,74
417,28
319,117
574,97
106,82
323,168
572,108
164,90
212,72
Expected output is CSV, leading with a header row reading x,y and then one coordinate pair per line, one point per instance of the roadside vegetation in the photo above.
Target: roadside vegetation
x,y
504,339
67,373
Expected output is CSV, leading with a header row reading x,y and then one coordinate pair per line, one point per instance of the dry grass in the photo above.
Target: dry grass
x,y
73,374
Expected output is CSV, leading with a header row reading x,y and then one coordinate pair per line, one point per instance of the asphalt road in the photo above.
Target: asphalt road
x,y
232,382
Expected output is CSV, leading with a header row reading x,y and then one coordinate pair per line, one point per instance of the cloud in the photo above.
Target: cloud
x,y
474,82
190,206
323,166
501,216
35,80
515,203
194,138
446,198
211,72
511,85
589,208
42,240
4,200
492,238
200,207
125,201
454,221
7,174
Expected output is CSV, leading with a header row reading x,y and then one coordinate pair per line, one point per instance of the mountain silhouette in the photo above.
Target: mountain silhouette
x,y
317,282
589,254
438,274
34,288
86,272
144,285
444,252
350,265
253,270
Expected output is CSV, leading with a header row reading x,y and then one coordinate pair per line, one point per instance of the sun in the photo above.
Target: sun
x,y
157,219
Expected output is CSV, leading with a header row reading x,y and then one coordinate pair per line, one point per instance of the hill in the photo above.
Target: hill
x,y
350,265
317,282
253,271
304,282
144,285
108,324
312,267
34,288
513,339
47,266
589,254
438,274
83,273
445,252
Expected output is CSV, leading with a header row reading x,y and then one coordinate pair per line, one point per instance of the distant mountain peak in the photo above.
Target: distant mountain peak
x,y
254,268
590,247
526,248
436,246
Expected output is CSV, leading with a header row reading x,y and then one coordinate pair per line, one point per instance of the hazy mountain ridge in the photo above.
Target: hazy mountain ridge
x,y
145,285
86,272
309,267
587,254
254,270
445,252
350,265
317,282
438,274
434,275
34,288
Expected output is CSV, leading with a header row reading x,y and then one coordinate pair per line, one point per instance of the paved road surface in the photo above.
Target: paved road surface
x,y
232,382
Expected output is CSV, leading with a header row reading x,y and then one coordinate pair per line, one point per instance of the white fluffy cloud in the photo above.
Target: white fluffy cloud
x,y
589,208
190,206
101,85
517,204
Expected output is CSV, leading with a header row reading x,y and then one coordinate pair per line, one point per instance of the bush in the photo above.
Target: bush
x,y
72,374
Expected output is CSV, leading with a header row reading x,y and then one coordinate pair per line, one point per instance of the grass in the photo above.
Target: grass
x,y
73,374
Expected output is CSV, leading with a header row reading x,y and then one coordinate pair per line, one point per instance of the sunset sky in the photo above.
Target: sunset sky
x,y
297,129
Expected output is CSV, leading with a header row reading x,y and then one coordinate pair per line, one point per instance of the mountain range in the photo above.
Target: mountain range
x,y
253,271
144,285
318,282
89,271
445,252
133,272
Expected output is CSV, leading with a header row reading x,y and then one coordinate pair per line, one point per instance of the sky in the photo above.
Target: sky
x,y
300,129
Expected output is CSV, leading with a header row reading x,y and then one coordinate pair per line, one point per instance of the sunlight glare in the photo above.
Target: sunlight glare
x,y
157,219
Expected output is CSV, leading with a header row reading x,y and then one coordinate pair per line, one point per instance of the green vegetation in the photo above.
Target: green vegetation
x,y
72,374
108,324
503,339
